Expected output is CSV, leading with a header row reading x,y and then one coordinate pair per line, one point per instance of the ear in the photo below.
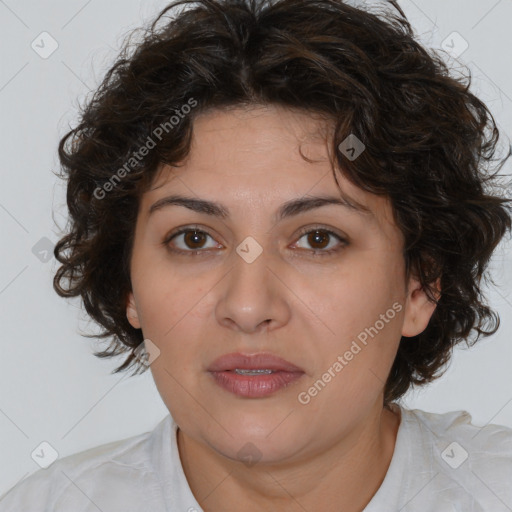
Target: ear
x,y
418,308
131,311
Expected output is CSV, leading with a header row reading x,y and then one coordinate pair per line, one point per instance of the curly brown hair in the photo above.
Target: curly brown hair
x,y
429,143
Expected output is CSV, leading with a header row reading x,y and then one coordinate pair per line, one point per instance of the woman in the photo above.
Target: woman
x,y
282,211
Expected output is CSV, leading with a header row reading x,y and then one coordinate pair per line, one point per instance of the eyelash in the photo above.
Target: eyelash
x,y
304,231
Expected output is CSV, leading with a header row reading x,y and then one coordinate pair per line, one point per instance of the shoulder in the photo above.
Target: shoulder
x,y
473,461
80,481
490,440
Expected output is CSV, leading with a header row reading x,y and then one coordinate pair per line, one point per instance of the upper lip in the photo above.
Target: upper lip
x,y
252,362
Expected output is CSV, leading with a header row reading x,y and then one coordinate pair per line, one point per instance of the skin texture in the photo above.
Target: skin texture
x,y
333,452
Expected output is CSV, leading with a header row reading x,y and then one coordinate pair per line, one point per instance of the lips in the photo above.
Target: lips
x,y
261,361
238,374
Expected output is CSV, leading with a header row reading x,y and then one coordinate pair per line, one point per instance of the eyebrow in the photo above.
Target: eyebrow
x,y
289,209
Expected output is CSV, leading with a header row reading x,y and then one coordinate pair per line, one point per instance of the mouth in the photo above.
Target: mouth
x,y
253,376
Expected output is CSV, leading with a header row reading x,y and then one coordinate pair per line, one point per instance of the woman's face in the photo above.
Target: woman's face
x,y
333,303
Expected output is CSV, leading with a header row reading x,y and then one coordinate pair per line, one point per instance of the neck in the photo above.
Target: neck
x,y
343,477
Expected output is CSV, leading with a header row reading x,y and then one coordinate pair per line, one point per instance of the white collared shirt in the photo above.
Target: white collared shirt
x,y
441,463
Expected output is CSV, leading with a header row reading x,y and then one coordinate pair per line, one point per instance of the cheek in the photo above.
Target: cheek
x,y
354,298
166,298
363,311
174,315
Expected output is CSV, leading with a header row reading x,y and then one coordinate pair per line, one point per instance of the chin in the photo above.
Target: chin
x,y
267,431
252,450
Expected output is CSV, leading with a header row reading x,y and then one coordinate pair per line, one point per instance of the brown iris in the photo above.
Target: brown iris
x,y
317,236
193,237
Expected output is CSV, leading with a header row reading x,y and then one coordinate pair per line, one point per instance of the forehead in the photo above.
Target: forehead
x,y
249,160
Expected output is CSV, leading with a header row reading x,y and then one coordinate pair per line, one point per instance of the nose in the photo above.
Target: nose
x,y
253,296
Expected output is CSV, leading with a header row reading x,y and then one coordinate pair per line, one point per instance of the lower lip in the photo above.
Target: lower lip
x,y
255,386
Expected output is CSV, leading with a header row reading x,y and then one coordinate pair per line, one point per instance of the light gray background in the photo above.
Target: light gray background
x,y
52,388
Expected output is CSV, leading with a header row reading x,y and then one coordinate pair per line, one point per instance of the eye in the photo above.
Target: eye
x,y
192,240
320,238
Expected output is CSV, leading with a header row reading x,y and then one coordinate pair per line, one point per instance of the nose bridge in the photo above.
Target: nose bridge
x,y
252,295
250,277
